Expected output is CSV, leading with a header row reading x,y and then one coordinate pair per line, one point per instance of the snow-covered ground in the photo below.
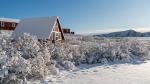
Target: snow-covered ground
x,y
23,58
110,74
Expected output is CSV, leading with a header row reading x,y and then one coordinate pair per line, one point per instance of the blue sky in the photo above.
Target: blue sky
x,y
84,16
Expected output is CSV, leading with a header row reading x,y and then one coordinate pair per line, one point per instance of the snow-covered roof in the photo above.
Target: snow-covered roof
x,y
40,26
9,20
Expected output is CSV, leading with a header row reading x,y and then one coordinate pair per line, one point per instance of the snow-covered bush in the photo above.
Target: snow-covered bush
x,y
23,58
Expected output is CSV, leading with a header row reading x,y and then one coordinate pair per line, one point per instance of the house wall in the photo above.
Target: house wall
x,y
8,26
56,28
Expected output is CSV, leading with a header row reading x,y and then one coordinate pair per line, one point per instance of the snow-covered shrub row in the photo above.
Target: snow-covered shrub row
x,y
5,33
25,57
77,50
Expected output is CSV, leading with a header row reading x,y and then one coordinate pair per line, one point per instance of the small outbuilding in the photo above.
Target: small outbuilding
x,y
67,31
43,27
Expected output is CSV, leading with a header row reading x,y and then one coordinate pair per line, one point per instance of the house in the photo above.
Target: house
x,y
8,24
67,31
42,27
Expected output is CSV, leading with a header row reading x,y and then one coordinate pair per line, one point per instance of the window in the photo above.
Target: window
x,y
56,36
2,24
13,24
53,35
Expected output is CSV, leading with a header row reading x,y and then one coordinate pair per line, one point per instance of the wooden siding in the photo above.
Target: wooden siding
x,y
8,26
56,28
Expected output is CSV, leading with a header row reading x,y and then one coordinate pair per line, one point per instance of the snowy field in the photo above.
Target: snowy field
x,y
81,60
110,74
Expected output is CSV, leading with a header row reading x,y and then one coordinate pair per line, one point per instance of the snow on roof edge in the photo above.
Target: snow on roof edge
x,y
39,17
9,20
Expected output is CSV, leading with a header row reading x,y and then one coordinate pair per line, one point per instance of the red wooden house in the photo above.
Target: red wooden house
x,y
42,27
8,24
67,31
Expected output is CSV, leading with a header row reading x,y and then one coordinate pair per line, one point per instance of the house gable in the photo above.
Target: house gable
x,y
57,29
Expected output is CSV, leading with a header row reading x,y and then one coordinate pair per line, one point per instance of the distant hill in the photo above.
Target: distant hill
x,y
127,33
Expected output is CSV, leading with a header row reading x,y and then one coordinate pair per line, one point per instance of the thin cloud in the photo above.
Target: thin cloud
x,y
146,29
